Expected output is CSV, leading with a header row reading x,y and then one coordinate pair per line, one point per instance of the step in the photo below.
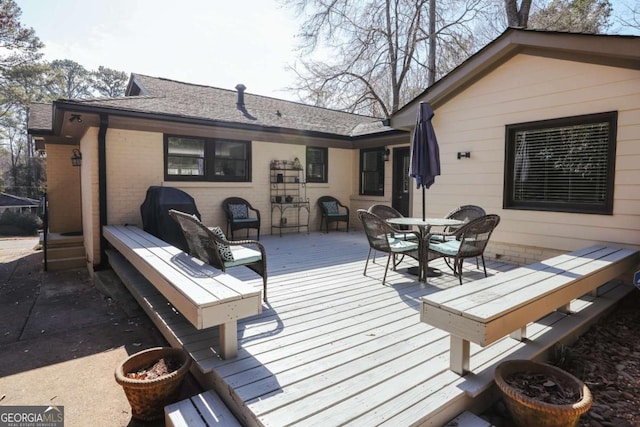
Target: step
x,y
468,419
65,252
66,263
202,410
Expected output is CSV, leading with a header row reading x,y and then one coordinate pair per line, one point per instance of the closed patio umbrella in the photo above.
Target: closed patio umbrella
x,y
425,154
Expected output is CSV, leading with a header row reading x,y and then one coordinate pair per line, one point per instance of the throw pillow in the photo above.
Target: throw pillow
x,y
239,211
330,207
224,250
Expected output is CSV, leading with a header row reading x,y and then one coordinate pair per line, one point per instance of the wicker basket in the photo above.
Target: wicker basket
x,y
529,412
149,397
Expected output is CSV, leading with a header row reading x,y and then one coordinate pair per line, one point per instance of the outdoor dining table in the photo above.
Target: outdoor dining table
x,y
424,226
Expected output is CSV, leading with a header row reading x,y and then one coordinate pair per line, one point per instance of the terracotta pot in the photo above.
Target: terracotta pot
x,y
530,412
149,397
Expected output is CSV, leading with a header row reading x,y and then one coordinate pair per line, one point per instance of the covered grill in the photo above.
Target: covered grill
x,y
155,214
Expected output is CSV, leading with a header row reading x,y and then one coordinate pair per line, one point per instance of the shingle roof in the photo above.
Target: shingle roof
x,y
40,117
172,98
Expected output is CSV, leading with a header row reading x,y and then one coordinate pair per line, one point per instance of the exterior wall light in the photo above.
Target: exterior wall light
x,y
76,157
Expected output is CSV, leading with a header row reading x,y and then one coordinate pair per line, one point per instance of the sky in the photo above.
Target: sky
x,y
218,43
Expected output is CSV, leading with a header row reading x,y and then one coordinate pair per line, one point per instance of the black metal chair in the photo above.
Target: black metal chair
x,y
332,211
211,246
240,215
470,241
381,238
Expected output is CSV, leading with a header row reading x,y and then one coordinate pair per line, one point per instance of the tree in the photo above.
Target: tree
x,y
19,74
68,79
18,44
517,16
588,16
109,83
630,16
374,55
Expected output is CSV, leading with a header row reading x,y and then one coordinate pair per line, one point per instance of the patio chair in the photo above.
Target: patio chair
x,y
332,210
241,215
381,238
470,242
386,212
463,213
211,246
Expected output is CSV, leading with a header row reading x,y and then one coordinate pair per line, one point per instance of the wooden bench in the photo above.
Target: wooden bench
x,y
204,296
489,309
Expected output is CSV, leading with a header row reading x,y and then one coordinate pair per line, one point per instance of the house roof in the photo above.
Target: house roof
x,y
11,201
40,117
172,100
611,50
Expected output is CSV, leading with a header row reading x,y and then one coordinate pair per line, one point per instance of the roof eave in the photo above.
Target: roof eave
x,y
62,105
577,46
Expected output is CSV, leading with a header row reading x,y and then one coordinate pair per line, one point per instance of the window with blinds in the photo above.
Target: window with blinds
x,y
372,171
564,165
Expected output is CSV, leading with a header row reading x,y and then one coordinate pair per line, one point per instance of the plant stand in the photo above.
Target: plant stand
x,y
530,412
149,397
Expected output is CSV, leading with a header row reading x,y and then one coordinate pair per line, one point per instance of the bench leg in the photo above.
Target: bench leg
x,y
520,334
565,309
229,339
459,355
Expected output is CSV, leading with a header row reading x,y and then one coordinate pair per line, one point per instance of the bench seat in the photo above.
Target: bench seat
x,y
489,309
203,295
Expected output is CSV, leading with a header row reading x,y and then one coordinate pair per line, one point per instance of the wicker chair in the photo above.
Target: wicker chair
x,y
381,238
470,242
332,210
387,212
464,213
240,215
211,246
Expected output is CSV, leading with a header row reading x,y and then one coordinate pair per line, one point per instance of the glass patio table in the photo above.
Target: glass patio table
x,y
424,226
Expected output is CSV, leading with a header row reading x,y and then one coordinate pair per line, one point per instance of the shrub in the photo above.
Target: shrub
x,y
19,224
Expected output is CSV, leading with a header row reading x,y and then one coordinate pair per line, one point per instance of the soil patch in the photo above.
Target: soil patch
x,y
543,387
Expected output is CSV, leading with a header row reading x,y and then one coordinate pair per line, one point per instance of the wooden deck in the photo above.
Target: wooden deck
x,y
333,347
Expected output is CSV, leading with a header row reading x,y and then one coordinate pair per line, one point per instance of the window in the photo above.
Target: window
x,y
564,165
317,162
372,172
206,159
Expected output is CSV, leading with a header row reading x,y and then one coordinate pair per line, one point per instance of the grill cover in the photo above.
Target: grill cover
x,y
155,214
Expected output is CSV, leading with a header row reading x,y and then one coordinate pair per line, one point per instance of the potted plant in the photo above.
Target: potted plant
x,y
541,395
151,380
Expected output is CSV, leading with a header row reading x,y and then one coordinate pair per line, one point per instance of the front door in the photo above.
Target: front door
x,y
401,180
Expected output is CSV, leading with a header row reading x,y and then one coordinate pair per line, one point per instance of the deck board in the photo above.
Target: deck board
x,y
335,347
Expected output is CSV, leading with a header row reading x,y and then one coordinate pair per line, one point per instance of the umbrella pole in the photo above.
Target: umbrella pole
x,y
423,209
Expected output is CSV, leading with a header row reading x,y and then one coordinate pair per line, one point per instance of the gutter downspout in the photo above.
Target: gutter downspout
x,y
102,186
